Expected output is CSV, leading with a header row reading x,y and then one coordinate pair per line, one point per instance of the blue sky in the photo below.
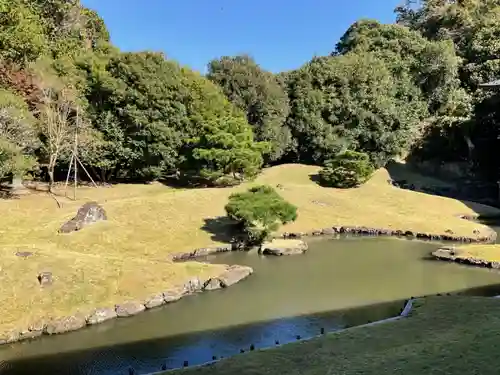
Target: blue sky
x,y
279,34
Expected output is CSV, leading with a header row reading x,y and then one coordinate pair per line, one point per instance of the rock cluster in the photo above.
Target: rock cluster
x,y
89,213
231,275
284,247
449,254
365,231
349,230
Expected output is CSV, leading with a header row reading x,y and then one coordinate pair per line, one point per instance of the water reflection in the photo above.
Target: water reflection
x,y
150,355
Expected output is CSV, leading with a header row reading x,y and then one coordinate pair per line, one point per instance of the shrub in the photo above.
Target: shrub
x,y
260,211
348,169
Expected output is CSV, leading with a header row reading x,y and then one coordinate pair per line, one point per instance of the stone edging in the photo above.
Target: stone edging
x,y
450,254
354,230
230,276
404,314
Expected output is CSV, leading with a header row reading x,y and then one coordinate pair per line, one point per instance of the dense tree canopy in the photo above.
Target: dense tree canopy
x,y
386,91
352,101
259,94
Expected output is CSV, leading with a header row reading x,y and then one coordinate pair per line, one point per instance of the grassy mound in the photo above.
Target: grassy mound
x,y
486,252
128,256
443,335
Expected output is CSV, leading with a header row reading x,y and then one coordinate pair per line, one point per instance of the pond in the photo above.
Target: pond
x,y
336,284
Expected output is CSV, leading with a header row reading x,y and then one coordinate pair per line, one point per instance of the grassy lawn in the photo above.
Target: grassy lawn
x,y
128,256
443,335
489,253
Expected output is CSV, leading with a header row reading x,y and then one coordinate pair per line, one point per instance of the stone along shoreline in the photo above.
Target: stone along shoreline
x,y
230,276
349,230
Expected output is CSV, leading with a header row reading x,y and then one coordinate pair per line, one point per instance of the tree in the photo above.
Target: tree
x,y
259,95
57,121
260,211
22,36
226,153
347,170
352,102
430,66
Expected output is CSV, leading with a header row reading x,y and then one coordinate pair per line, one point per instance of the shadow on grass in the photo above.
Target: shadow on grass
x,y
315,178
222,229
405,176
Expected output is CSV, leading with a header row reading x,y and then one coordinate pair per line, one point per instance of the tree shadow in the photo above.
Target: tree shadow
x,y
475,195
315,178
222,229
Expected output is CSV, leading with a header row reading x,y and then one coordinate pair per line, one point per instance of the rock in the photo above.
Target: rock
x,y
154,301
234,273
173,295
45,278
409,233
66,324
193,285
10,337
284,247
444,253
28,334
89,213
128,309
213,284
230,276
101,315
328,231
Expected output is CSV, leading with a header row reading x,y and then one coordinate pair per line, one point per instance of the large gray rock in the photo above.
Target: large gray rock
x,y
101,315
173,295
154,301
193,285
66,324
284,247
230,276
45,278
129,308
89,213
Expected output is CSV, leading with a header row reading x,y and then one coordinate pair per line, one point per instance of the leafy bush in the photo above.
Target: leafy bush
x,y
348,169
260,211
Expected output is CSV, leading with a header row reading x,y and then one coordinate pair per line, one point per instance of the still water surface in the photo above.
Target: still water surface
x,y
330,287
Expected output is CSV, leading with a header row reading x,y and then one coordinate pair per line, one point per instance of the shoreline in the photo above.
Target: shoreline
x,y
405,313
347,230
452,255
230,276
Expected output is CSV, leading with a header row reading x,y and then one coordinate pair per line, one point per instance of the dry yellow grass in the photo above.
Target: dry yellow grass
x,y
127,257
489,253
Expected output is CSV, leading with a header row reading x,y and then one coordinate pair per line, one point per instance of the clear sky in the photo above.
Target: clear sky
x,y
279,34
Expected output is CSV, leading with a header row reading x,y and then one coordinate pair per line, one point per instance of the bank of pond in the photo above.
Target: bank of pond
x,y
339,283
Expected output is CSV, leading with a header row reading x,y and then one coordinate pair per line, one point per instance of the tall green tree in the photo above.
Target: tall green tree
x,y
259,94
352,102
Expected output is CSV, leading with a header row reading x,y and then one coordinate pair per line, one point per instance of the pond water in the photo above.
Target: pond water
x,y
336,284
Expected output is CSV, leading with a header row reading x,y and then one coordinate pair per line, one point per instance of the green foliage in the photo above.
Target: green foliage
x,y
260,211
22,37
259,94
429,66
226,153
347,170
17,123
12,159
352,102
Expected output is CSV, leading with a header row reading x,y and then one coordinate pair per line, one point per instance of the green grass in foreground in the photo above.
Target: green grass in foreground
x,y
443,335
